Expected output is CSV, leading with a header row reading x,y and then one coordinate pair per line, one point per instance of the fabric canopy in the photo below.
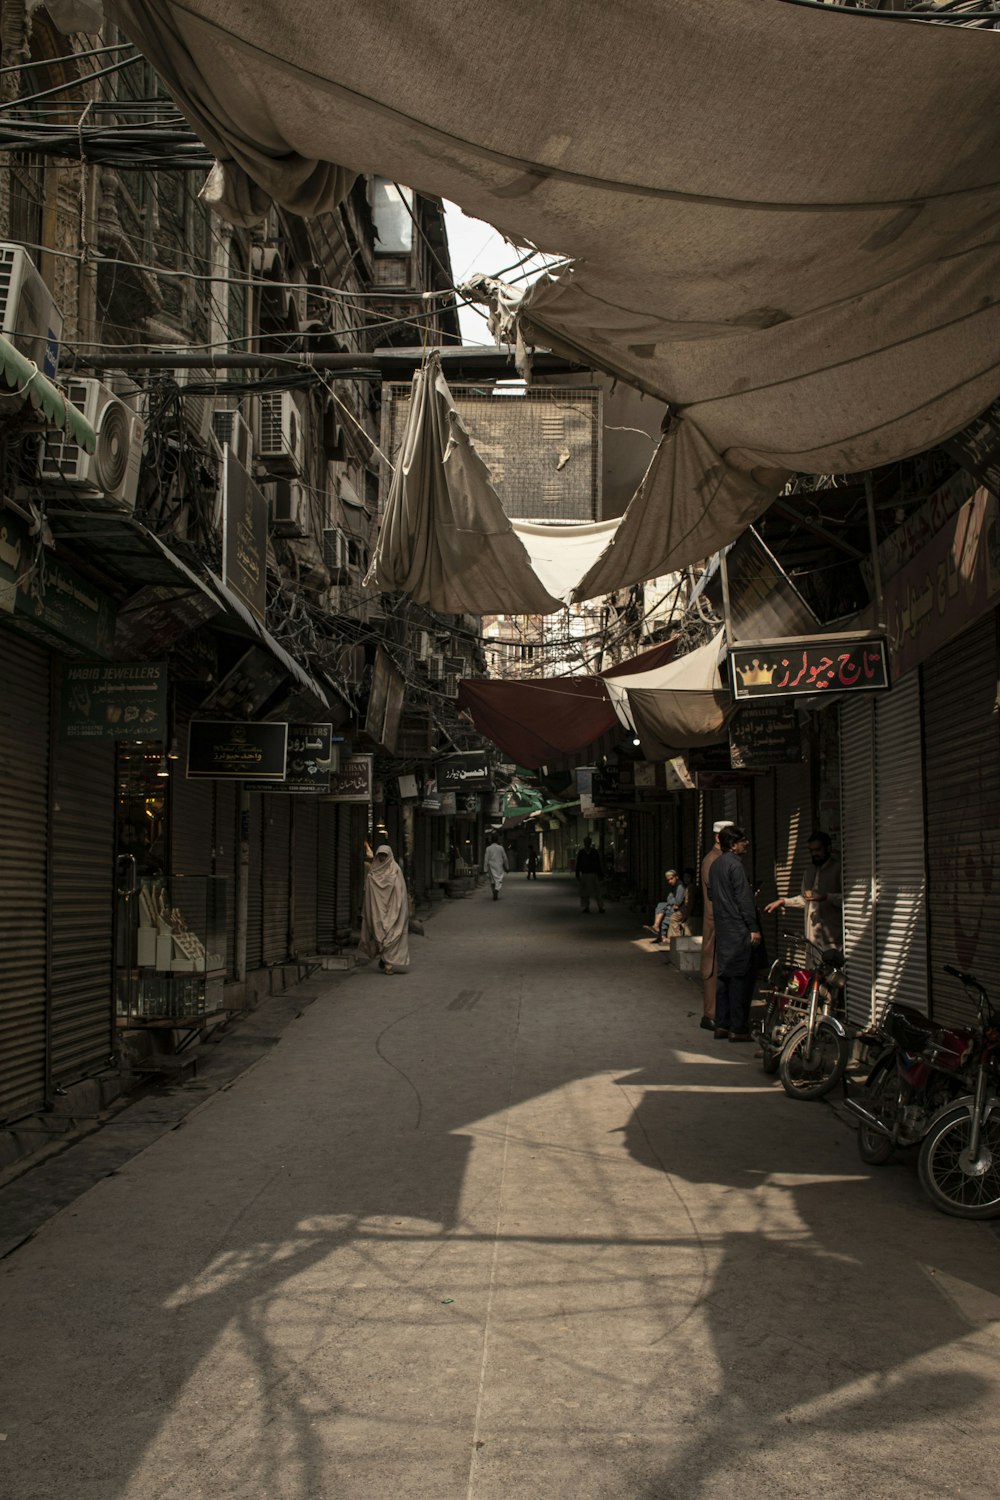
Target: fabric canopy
x,y
673,707
446,540
539,721
23,376
782,217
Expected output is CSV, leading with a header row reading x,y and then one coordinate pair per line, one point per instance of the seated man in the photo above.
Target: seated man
x,y
668,911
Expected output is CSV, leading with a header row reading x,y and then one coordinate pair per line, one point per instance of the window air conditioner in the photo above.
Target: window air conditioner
x,y
232,428
279,432
109,477
28,314
289,508
336,554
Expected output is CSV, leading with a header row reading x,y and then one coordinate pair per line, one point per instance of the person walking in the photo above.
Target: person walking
x,y
737,937
820,896
531,863
708,977
588,874
496,865
385,914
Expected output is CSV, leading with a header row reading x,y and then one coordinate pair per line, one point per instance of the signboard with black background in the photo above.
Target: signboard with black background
x,y
113,701
223,751
352,781
464,773
799,666
308,764
244,537
763,735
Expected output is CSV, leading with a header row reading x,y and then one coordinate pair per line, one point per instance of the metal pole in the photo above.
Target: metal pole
x,y
873,544
727,612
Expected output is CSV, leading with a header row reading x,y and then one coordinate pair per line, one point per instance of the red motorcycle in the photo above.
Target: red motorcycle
x,y
937,1087
800,1033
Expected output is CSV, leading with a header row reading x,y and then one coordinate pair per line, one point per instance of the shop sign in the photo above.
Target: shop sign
x,y
947,587
431,799
677,775
798,667
763,735
720,781
466,772
385,703
467,803
310,761
224,751
49,600
244,537
709,758
449,807
352,781
977,447
114,701
157,616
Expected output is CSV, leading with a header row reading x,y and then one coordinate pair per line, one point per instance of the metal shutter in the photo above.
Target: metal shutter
x,y
343,910
962,749
276,876
226,857
326,897
305,822
82,909
24,796
900,877
792,826
255,885
762,857
857,820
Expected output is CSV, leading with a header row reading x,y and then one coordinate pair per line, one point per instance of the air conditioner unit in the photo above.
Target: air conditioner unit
x,y
422,645
232,428
28,314
451,681
289,508
280,438
109,477
435,666
336,554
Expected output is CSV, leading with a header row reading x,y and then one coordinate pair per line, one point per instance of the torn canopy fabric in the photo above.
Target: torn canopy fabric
x,y
815,299
446,540
674,707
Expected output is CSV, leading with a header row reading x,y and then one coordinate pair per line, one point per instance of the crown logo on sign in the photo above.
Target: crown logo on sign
x,y
755,675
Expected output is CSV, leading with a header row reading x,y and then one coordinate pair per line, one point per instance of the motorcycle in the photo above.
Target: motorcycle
x,y
800,1036
937,1087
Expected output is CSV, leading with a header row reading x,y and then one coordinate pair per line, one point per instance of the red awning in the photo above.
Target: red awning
x,y
541,720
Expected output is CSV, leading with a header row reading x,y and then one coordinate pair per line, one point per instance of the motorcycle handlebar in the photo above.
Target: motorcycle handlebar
x,y
969,979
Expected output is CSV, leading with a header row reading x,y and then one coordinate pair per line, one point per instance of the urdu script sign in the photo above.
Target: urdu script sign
x,y
796,667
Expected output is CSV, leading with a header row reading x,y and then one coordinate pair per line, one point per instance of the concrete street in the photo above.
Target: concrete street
x,y
510,1227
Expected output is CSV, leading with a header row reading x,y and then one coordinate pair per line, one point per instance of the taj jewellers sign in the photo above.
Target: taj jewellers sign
x,y
798,666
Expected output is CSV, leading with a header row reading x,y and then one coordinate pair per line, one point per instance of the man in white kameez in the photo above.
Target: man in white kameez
x,y
495,865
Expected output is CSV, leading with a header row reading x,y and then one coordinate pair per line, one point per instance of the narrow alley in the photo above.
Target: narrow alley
x,y
508,1227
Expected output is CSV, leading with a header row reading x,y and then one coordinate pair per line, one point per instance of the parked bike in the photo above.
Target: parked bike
x,y
800,1035
937,1087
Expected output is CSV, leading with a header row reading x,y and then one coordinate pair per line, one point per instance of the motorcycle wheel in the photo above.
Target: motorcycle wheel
x,y
770,1055
802,1079
874,1147
951,1182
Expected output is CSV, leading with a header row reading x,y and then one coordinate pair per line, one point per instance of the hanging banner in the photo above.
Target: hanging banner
x,y
763,735
797,667
114,701
223,751
352,781
244,537
310,761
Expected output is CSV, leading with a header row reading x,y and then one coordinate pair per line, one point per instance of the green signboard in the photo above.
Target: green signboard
x,y
114,700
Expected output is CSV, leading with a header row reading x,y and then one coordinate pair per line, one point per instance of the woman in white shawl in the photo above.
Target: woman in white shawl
x,y
385,913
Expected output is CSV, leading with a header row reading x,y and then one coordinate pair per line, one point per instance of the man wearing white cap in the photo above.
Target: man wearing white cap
x,y
708,975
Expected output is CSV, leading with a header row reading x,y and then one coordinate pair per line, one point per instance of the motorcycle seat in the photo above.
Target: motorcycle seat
x,y
909,1027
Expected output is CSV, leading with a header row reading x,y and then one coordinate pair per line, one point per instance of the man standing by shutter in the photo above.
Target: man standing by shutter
x,y
708,931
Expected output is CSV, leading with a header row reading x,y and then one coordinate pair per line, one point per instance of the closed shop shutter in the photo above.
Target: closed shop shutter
x,y
276,876
192,817
962,749
762,857
857,819
343,867
255,885
24,788
305,819
226,851
82,909
792,826
900,878
326,898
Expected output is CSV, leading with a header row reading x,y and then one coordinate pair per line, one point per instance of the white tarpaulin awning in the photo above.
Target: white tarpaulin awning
x,y
783,217
446,540
677,706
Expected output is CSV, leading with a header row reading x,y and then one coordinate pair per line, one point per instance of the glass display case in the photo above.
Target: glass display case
x,y
172,947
